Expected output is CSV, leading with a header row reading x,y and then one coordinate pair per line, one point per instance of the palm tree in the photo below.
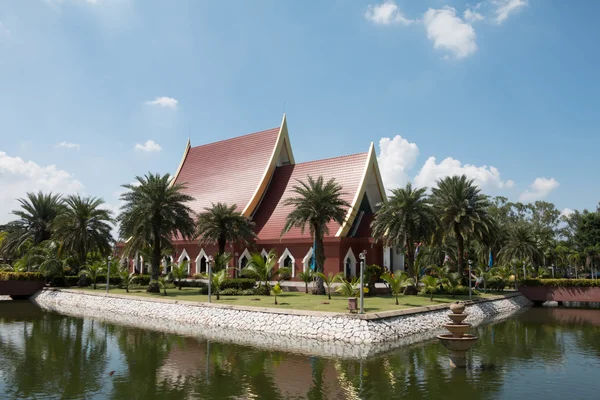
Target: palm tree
x,y
397,283
179,272
592,253
263,269
520,246
221,262
306,277
452,282
349,288
83,226
222,224
315,205
36,214
47,259
162,284
127,279
92,271
218,279
405,219
430,284
463,212
329,279
154,212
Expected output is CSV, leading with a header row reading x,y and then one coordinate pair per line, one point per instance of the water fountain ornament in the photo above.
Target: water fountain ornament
x,y
458,341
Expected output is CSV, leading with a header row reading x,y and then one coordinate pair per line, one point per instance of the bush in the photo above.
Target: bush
x,y
562,282
198,276
204,290
21,276
230,292
114,280
262,291
192,284
249,292
72,280
58,281
143,280
238,284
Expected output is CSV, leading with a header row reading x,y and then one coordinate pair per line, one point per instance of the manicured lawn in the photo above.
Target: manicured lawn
x,y
298,300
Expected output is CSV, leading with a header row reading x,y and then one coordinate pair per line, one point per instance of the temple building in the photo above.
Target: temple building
x,y
257,172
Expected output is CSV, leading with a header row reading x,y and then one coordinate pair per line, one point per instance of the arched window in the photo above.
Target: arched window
x,y
184,257
264,255
201,262
288,260
350,264
307,261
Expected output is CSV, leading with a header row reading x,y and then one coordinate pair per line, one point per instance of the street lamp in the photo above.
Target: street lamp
x,y
235,264
108,273
469,277
210,261
362,257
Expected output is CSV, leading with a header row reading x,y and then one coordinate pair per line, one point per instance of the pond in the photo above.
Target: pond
x,y
541,353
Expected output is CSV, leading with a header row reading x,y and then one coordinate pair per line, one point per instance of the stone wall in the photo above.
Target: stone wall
x,y
307,331
561,293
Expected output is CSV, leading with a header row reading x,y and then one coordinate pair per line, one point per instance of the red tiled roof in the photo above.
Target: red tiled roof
x,y
228,171
271,214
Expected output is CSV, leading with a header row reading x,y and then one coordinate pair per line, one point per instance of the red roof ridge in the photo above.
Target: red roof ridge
x,y
334,158
236,137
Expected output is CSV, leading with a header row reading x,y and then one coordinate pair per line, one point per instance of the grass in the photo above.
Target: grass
x,y
299,300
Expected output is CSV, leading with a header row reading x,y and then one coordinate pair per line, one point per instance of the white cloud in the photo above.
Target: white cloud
x,y
68,145
484,176
506,7
17,177
472,16
396,157
167,102
386,14
567,212
539,189
149,147
449,32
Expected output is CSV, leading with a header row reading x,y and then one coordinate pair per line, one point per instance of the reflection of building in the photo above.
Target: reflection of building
x,y
257,172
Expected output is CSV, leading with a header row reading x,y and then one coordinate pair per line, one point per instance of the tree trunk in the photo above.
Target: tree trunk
x,y
306,286
461,249
396,299
222,242
153,286
319,287
410,257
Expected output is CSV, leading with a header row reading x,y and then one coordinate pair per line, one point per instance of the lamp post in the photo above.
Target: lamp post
x,y
362,257
210,261
552,267
469,278
108,273
236,260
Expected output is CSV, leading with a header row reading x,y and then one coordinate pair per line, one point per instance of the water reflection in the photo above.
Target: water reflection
x,y
538,354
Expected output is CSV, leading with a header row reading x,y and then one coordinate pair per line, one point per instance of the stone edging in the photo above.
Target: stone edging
x,y
307,332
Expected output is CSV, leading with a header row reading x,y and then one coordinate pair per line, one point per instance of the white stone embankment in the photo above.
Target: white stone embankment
x,y
308,331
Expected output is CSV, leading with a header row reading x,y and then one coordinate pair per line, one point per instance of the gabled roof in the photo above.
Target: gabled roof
x,y
233,171
348,171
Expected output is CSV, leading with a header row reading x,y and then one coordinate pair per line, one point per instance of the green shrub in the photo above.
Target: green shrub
x,y
248,292
230,292
204,290
262,291
143,280
21,276
72,280
562,282
192,284
114,280
58,281
198,276
238,284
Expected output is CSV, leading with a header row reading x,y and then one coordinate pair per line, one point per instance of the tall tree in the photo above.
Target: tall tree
x,y
154,212
405,219
521,246
36,214
222,224
463,212
83,226
316,203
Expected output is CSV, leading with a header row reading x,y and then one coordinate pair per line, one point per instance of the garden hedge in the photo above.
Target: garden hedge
x,y
239,284
562,282
21,276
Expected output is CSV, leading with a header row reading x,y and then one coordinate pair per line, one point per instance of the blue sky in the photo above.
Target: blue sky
x,y
503,90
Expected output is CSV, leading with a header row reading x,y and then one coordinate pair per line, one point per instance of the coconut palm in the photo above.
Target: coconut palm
x,y
592,254
452,283
218,279
306,277
463,213
430,284
263,269
222,224
179,272
36,213
405,219
500,276
221,261
349,288
127,279
329,279
155,212
314,205
83,226
162,284
47,259
521,245
397,283
276,291
92,271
